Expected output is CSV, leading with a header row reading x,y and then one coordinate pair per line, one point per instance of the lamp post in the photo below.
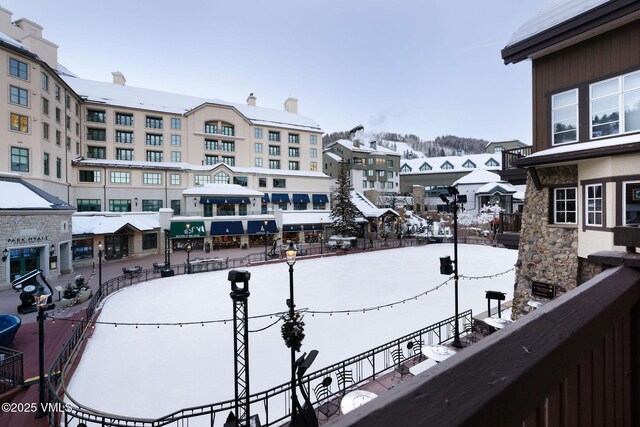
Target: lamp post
x,y
100,254
265,239
188,247
321,235
454,204
41,301
291,260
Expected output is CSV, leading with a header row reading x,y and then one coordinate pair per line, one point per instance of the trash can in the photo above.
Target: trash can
x,y
207,247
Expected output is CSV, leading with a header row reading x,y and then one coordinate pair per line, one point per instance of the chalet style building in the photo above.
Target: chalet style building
x,y
583,180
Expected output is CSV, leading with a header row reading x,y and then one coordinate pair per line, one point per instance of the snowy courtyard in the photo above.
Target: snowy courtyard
x,y
151,371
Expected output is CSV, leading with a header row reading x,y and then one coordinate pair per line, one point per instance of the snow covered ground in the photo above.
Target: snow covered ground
x,y
150,371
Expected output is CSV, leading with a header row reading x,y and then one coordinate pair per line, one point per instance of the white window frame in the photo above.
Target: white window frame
x,y
554,109
560,194
620,94
589,209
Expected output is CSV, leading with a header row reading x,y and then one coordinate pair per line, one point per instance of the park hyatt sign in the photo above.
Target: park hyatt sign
x,y
27,240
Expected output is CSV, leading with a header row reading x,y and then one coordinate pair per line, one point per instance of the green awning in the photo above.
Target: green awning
x,y
179,229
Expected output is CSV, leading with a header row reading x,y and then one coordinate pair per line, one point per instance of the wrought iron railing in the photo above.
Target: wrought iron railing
x,y
11,369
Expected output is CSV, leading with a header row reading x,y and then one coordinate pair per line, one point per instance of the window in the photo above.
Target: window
x,y
152,178
123,119
202,179
258,147
274,136
58,168
95,134
423,167
390,163
313,166
58,114
44,82
228,130
593,204
124,154
228,146
274,150
18,69
119,205
262,182
88,176
258,133
210,145
294,152
370,172
279,183
68,122
564,118
314,153
221,178
19,96
153,139
469,165
88,205
77,129
176,140
446,166
45,165
154,122
294,138
151,205
631,203
58,137
45,106
210,127
82,249
615,105
124,137
149,241
381,173
565,205
294,166
176,156
211,160
117,177
19,123
67,101
258,162
56,92
96,116
96,152
175,123
491,162
274,164
155,156
313,139
229,160
175,179
45,130
241,180
175,205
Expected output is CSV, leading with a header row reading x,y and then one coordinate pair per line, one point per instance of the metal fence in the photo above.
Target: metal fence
x,y
11,369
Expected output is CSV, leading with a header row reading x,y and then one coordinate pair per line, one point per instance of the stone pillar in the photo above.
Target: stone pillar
x,y
417,191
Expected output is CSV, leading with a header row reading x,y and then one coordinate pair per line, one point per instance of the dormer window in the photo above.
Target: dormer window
x,y
425,167
469,165
491,162
405,168
446,166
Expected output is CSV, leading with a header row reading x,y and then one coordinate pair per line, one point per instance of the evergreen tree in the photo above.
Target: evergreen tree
x,y
344,212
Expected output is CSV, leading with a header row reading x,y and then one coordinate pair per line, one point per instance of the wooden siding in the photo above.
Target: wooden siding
x,y
613,53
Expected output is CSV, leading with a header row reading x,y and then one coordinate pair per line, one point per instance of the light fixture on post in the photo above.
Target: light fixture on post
x,y
321,235
5,254
454,205
195,202
292,330
52,250
42,303
188,247
265,239
100,254
135,201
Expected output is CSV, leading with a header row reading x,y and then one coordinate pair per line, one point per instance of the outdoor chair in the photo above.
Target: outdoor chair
x,y
323,392
399,362
415,347
345,380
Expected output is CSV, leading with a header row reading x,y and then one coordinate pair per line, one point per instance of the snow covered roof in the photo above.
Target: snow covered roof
x,y
222,190
149,99
361,147
457,162
492,187
9,40
306,217
334,156
520,191
555,13
107,223
367,208
19,194
478,176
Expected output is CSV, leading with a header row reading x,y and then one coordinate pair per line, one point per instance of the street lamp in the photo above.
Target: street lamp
x,y
454,204
291,260
265,239
41,302
321,235
100,254
188,247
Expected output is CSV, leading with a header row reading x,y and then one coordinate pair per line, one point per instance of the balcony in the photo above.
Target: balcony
x,y
508,233
510,171
574,361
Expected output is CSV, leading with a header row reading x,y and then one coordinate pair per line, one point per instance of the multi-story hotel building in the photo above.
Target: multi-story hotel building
x,y
114,148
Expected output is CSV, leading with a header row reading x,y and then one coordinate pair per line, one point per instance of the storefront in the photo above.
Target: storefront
x,y
291,233
227,234
183,232
261,229
312,232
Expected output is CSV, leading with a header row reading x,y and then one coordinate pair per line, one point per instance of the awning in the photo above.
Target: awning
x,y
312,227
320,198
227,228
221,200
257,227
265,198
301,198
295,227
179,229
280,198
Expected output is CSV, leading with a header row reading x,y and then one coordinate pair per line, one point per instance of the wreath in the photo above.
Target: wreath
x,y
293,332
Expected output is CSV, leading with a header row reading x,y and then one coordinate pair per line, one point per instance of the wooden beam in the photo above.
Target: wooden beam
x,y
535,178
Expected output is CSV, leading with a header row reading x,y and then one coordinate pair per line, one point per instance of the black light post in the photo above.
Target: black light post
x,y
240,296
41,301
100,255
265,239
454,204
188,247
291,260
321,235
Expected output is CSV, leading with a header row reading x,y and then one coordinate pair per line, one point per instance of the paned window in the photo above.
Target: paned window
x,y
176,156
119,205
19,123
313,139
258,162
211,127
175,179
118,177
175,123
274,135
313,153
152,178
258,133
124,154
58,168
593,204
202,179
95,134
150,240
123,119
565,209
313,166
631,203
155,156
274,164
258,147
124,137
153,139
45,106
18,69
96,116
19,96
88,205
294,138
176,140
221,178
294,152
19,159
279,183
154,122
45,165
294,166
88,176
615,105
44,82
228,146
96,152
210,159
229,160
274,150
175,205
151,205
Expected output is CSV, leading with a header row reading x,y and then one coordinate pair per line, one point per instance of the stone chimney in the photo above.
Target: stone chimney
x,y
291,105
251,100
118,78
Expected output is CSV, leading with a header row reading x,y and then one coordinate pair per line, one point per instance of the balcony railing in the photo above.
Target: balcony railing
x,y
11,369
574,361
510,222
510,157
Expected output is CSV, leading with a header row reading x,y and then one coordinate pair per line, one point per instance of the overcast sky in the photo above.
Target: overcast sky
x,y
425,67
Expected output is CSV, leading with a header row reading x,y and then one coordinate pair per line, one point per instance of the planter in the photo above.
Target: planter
x,y
81,297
